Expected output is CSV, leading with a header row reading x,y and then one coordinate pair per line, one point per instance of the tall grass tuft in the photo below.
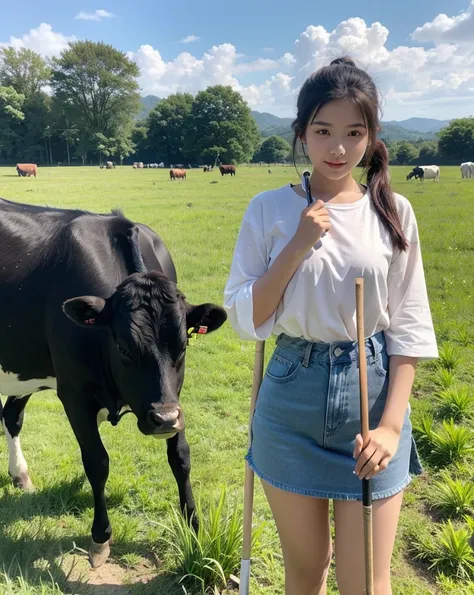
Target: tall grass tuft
x,y
447,552
453,497
206,560
456,403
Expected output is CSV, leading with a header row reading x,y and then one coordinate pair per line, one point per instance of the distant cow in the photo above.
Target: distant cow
x,y
110,165
227,169
27,169
177,173
417,173
207,168
467,169
431,172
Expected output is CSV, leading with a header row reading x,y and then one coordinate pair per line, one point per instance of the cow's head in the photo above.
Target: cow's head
x,y
149,323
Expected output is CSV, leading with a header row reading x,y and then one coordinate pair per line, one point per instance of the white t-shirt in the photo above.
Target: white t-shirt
x,y
319,301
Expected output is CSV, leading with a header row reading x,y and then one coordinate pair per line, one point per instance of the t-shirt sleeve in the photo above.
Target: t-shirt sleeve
x,y
249,263
411,331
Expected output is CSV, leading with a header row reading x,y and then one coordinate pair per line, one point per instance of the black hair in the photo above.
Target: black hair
x,y
343,80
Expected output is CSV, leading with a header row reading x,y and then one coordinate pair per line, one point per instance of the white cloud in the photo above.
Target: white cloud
x,y
189,39
43,40
268,50
458,29
98,15
436,81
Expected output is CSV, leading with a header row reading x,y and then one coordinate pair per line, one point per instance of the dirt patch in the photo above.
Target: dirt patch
x,y
109,579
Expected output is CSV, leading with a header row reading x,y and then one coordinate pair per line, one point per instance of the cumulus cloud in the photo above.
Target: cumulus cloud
x,y
413,79
189,39
98,15
42,40
459,29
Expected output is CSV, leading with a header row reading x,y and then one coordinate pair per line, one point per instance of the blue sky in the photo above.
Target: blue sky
x,y
421,53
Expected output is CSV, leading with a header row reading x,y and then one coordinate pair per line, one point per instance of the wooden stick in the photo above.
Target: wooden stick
x,y
364,422
249,475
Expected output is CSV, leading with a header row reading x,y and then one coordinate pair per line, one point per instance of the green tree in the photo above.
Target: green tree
x,y
96,85
166,123
11,113
24,70
273,149
406,153
220,118
428,152
456,141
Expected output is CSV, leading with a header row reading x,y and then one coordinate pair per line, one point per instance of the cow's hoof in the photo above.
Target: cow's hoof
x,y
24,483
98,553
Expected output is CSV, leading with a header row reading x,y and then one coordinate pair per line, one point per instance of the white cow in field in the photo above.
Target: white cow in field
x,y
467,169
431,172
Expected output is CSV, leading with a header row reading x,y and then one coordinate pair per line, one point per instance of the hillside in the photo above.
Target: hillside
x,y
148,103
422,124
393,131
269,124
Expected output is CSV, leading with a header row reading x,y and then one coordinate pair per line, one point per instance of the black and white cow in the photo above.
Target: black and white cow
x,y
89,306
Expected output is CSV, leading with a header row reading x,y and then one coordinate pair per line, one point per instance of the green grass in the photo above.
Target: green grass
x,y
45,534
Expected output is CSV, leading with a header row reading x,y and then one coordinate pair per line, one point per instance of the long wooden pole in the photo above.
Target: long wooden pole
x,y
364,421
244,580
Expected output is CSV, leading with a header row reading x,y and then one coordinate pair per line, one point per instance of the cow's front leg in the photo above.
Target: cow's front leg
x,y
12,421
179,459
96,465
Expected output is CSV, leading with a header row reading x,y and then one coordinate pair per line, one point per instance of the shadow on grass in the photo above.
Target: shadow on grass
x,y
66,497
43,561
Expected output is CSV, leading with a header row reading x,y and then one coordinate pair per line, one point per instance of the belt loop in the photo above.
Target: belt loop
x,y
307,354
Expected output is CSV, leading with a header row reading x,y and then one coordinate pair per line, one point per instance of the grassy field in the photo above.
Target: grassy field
x,y
43,536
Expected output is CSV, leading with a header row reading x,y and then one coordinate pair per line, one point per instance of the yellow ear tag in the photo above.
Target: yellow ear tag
x,y
191,337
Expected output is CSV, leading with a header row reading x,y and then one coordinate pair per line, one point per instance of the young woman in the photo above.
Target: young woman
x,y
293,275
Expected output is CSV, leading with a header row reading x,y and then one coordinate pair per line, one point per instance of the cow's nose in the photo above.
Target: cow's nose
x,y
164,419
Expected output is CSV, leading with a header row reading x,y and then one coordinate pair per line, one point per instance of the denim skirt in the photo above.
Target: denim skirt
x,y
308,415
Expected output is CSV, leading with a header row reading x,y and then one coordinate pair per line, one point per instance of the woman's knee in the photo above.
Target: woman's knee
x,y
355,585
310,571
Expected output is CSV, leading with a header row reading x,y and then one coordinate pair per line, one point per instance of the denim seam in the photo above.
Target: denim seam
x,y
326,494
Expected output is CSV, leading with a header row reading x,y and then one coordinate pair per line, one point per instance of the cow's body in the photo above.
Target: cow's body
x,y
105,353
27,169
467,169
227,169
431,172
177,174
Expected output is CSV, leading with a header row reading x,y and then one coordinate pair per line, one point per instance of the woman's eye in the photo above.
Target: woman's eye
x,y
323,132
354,133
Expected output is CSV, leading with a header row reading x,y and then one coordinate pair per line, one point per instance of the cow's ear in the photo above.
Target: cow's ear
x,y
205,318
88,311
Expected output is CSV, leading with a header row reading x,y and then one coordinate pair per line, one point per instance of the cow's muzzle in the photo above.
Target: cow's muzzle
x,y
163,421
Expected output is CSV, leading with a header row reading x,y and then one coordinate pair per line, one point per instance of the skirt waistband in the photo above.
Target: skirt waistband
x,y
373,345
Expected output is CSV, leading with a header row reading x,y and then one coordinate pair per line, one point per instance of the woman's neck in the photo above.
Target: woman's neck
x,y
326,188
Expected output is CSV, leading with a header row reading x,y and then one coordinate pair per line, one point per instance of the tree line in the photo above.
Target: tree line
x,y
82,107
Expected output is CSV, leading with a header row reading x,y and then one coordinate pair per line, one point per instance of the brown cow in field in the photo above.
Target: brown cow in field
x,y
177,173
227,169
27,169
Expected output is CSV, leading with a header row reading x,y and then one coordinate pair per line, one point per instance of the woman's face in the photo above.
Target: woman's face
x,y
336,139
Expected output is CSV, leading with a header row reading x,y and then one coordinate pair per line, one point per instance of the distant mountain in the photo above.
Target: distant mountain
x,y
269,124
148,103
411,129
422,124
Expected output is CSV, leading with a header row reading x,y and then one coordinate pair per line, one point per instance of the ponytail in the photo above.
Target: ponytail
x,y
382,195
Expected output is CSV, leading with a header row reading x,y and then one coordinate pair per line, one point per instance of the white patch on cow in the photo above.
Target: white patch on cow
x,y
16,461
11,386
103,414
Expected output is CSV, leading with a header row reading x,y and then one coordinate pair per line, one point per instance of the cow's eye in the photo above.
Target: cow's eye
x,y
124,351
